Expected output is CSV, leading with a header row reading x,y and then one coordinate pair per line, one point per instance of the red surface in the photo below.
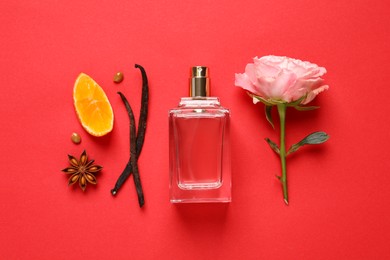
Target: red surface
x,y
339,191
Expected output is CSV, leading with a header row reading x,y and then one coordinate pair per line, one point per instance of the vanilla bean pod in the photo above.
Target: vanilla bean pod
x,y
133,151
144,109
141,130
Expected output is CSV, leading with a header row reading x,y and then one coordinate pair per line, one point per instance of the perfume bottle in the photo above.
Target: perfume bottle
x,y
199,148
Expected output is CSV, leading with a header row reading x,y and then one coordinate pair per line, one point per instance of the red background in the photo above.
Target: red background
x,y
339,191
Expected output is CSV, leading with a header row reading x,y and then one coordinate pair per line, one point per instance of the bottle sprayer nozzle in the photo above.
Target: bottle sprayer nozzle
x,y
199,82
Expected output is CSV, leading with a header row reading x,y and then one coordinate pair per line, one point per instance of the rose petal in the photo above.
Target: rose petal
x,y
314,73
255,100
265,85
250,71
281,84
301,88
282,78
265,67
312,94
243,81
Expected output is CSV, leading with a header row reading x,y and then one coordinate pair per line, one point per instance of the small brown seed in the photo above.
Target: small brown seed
x,y
90,178
83,180
76,138
74,178
118,77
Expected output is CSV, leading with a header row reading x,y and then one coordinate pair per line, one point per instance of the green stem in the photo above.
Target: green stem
x,y
283,179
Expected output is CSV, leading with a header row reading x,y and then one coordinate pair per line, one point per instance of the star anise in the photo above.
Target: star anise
x,y
82,170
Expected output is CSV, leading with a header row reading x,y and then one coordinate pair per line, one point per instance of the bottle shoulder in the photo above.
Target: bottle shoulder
x,y
199,107
201,102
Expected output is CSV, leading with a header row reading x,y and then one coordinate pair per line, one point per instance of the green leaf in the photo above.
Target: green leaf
x,y
313,138
262,100
273,145
297,102
268,114
301,108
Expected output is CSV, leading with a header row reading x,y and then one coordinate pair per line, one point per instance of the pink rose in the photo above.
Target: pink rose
x,y
279,79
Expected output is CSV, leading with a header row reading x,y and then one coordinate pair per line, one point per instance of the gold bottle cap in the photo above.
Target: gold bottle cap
x,y
199,82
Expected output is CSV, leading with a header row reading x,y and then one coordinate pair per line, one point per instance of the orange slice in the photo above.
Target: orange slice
x,y
92,106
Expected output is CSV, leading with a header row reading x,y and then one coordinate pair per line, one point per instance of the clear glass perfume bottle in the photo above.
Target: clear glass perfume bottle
x,y
199,148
